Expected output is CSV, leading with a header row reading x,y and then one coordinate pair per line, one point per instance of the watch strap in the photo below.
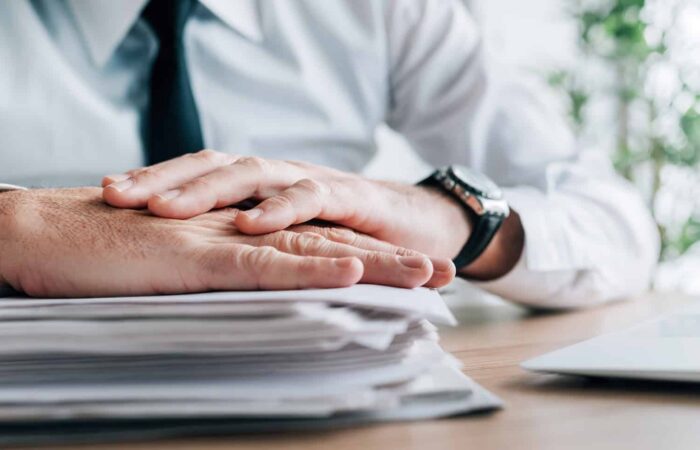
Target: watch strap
x,y
484,227
483,231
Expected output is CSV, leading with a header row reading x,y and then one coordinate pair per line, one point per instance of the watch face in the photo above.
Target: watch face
x,y
476,182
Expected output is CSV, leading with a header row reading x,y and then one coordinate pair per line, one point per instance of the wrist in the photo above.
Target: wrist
x,y
502,253
4,232
496,238
9,224
421,218
451,225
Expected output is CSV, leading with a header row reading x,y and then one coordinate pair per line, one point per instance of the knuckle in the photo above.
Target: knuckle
x,y
198,184
343,235
148,174
282,240
280,202
401,251
181,240
375,258
257,260
306,227
308,243
210,157
254,162
208,154
313,187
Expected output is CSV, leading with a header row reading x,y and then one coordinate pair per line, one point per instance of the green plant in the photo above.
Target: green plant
x,y
656,136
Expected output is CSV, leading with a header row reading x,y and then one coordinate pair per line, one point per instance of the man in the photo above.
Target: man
x,y
95,87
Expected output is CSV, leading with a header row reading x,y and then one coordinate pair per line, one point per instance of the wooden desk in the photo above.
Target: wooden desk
x,y
542,411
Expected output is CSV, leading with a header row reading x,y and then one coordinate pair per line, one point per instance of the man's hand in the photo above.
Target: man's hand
x,y
67,242
293,193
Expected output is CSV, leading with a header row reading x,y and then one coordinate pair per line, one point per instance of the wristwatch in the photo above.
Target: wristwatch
x,y
481,198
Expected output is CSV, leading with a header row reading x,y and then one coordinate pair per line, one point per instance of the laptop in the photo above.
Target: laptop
x,y
666,348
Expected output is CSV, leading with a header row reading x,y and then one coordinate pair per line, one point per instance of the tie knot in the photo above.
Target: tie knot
x,y
167,18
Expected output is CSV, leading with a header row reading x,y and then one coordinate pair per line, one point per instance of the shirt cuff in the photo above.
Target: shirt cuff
x,y
7,291
547,263
10,187
528,287
547,230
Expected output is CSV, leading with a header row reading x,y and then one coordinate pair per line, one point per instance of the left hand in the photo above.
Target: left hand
x,y
292,193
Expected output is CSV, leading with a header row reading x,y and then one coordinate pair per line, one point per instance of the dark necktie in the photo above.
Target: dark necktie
x,y
172,124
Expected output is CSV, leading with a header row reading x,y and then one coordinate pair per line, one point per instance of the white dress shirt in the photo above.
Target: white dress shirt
x,y
312,80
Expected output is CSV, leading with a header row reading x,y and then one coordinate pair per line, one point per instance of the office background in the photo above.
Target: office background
x,y
626,73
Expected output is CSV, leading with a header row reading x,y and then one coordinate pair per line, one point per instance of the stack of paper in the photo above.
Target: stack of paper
x,y
230,360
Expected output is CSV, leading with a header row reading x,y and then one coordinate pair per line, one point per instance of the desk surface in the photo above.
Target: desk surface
x,y
542,411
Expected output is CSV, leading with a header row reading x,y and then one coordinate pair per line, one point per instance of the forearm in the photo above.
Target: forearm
x,y
585,244
5,216
9,197
589,240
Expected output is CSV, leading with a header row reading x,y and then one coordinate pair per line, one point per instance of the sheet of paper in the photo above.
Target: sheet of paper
x,y
455,394
338,328
272,385
421,302
441,379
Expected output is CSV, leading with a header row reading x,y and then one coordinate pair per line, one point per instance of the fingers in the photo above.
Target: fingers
x,y
236,267
247,177
443,268
305,200
390,269
133,189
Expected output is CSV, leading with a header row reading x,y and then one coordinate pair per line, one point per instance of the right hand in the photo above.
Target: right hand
x,y
67,242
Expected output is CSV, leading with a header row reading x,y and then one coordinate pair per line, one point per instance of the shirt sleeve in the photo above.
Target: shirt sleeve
x,y
10,187
589,236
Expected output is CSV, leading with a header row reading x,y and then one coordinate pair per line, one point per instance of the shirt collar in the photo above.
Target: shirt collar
x,y
105,23
241,15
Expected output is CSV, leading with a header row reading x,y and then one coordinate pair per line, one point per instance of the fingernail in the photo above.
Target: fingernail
x,y
413,262
169,195
121,186
253,213
118,177
442,265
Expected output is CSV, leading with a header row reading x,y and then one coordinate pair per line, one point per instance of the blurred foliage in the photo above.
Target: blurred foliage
x,y
613,34
689,235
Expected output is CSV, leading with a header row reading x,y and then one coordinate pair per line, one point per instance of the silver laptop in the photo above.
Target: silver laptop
x,y
666,348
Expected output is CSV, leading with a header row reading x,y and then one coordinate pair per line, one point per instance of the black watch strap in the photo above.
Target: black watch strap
x,y
484,228
483,231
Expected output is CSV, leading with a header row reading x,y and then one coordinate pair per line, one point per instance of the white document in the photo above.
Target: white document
x,y
271,360
421,302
